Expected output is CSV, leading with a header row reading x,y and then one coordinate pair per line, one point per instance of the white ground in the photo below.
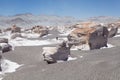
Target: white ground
x,y
86,47
8,67
26,42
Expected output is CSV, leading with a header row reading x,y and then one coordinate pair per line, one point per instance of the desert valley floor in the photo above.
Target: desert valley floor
x,y
99,64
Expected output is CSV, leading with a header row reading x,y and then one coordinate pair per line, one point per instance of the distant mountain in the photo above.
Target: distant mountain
x,y
103,19
29,20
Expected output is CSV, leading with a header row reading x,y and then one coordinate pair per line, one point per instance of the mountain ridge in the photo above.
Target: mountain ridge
x,y
30,20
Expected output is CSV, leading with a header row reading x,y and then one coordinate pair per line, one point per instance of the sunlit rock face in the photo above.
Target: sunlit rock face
x,y
15,29
85,24
40,30
80,35
96,37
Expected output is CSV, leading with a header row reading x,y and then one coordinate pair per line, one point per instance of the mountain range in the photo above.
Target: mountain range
x,y
30,20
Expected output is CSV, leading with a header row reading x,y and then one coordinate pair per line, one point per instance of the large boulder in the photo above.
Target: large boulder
x,y
80,35
40,30
95,37
98,38
5,47
53,54
3,40
43,33
15,29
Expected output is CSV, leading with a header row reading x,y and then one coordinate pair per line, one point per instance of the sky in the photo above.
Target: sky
x,y
75,8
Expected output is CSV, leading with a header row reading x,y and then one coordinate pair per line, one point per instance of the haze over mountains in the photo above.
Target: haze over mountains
x,y
29,20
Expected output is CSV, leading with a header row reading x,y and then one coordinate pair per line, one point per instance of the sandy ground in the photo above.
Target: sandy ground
x,y
101,64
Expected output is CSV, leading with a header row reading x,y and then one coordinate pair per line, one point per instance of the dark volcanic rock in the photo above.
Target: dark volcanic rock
x,y
52,54
3,40
98,38
113,32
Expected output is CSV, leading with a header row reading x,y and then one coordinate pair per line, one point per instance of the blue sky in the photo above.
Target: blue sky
x,y
75,8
